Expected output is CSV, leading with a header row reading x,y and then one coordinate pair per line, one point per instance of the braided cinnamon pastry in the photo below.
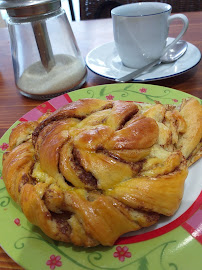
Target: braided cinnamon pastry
x,y
94,169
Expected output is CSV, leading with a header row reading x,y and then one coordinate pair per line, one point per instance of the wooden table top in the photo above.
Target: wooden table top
x,y
89,34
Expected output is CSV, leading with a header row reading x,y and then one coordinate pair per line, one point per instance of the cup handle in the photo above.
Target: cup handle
x,y
185,21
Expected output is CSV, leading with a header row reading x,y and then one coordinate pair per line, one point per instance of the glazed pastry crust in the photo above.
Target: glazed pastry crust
x,y
190,142
94,169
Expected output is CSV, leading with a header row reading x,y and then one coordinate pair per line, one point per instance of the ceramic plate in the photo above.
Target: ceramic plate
x,y
174,243
104,60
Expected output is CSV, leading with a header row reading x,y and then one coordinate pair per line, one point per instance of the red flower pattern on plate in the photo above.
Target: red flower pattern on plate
x,y
17,221
122,253
109,97
54,261
4,146
143,90
175,100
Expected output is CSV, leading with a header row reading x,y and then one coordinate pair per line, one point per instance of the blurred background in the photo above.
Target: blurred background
x,y
94,9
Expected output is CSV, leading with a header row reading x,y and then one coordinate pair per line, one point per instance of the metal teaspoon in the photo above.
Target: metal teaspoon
x,y
172,54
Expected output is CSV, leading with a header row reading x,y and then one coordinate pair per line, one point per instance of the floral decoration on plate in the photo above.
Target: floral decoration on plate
x,y
168,246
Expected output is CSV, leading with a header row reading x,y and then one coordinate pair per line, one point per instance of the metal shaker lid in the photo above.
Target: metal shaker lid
x,y
25,8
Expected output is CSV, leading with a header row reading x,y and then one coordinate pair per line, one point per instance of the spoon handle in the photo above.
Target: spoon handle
x,y
134,74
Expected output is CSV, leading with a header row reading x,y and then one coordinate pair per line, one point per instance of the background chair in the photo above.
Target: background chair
x,y
71,10
95,9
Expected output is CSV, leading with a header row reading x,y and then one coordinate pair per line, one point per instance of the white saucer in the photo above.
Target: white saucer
x,y
104,61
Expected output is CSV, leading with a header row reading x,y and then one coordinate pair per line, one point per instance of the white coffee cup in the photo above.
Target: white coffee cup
x,y
141,30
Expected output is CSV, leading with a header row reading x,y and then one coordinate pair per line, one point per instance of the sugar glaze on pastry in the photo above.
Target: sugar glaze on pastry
x,y
95,169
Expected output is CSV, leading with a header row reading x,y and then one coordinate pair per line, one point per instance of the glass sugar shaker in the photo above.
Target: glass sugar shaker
x,y
46,59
